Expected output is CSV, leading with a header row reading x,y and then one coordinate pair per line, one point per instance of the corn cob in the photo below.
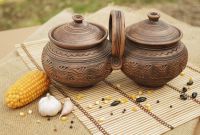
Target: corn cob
x,y
29,87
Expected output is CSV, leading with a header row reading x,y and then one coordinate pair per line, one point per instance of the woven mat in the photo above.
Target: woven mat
x,y
138,122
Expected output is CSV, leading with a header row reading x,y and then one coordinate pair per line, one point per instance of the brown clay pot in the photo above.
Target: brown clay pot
x,y
153,54
78,54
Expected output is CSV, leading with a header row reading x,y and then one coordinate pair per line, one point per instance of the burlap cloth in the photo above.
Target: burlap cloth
x,y
12,67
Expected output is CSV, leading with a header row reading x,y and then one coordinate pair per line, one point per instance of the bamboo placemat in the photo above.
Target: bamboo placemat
x,y
139,122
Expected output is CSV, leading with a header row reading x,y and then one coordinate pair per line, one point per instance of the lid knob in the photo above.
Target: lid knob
x,y
78,18
153,16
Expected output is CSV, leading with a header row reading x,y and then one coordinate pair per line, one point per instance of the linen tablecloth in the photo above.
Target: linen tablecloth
x,y
12,67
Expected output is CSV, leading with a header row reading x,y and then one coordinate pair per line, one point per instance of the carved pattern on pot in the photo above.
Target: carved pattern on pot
x,y
77,72
151,72
80,55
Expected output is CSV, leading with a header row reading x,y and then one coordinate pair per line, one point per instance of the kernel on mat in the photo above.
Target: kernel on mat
x,y
133,96
63,118
134,109
182,74
26,89
140,92
30,111
80,96
22,114
149,92
123,100
108,98
102,119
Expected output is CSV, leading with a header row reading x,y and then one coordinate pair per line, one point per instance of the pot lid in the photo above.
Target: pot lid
x,y
153,31
78,34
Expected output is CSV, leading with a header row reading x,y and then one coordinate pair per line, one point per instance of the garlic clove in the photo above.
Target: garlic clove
x,y
49,106
67,108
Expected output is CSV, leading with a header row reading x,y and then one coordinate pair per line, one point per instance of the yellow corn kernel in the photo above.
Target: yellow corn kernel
x,y
134,109
22,114
149,92
26,89
123,100
80,96
140,92
108,98
148,106
133,97
182,74
63,118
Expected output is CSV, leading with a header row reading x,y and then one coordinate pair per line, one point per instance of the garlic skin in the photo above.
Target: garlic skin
x,y
49,106
67,108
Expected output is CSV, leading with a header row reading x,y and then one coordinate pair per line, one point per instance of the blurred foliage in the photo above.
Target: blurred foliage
x,y
22,13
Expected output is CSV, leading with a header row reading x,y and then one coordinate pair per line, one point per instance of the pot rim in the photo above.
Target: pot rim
x,y
155,43
72,46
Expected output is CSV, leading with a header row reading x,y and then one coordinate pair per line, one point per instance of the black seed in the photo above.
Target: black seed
x,y
183,97
102,99
141,99
190,82
72,122
157,101
194,94
111,113
115,103
55,130
100,106
184,89
170,106
71,127
124,111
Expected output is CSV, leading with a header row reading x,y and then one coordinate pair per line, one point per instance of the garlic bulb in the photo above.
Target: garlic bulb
x,y
67,108
49,106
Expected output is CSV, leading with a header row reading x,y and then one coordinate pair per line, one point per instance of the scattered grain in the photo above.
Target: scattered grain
x,y
133,97
105,101
140,92
123,100
108,98
38,121
194,94
22,114
97,103
90,106
102,119
149,92
134,109
182,74
115,103
63,118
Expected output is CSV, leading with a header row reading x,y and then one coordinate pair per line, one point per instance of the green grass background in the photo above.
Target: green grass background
x,y
22,13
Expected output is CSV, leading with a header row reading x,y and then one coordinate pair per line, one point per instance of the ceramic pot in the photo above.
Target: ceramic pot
x,y
153,53
78,54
